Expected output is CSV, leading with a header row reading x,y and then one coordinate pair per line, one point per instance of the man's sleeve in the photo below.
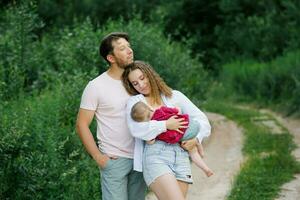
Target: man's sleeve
x,y
89,97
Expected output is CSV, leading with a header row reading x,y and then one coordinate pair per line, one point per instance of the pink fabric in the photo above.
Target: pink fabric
x,y
164,113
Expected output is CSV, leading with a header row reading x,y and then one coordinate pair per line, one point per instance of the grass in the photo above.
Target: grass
x,y
269,162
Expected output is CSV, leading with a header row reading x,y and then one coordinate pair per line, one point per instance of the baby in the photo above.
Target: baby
x,y
141,112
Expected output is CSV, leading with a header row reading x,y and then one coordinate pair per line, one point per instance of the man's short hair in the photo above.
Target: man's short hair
x,y
106,43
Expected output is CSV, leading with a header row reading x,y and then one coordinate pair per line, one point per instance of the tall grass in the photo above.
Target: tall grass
x,y
276,82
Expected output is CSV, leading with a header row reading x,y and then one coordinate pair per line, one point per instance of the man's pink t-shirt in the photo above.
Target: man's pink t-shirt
x,y
108,97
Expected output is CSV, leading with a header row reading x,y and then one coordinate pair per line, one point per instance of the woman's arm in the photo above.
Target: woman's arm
x,y
143,130
187,107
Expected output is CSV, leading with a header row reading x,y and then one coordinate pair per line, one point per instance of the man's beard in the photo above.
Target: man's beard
x,y
122,64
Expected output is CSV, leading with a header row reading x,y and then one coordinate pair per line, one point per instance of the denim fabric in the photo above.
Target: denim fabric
x,y
162,158
120,182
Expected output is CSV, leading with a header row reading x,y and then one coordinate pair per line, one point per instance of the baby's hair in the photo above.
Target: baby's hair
x,y
139,112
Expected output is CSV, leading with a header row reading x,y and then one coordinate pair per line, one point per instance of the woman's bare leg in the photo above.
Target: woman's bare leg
x,y
183,187
166,187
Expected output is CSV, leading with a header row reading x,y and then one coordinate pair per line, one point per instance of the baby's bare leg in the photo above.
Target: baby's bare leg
x,y
196,158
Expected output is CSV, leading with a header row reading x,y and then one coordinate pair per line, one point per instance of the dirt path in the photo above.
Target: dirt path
x,y
290,190
223,155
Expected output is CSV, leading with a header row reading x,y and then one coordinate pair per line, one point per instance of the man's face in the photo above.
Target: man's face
x,y
122,52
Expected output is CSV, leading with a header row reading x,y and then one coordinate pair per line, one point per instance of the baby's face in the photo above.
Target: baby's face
x,y
150,113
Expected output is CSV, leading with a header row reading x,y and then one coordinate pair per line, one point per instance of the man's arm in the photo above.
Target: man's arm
x,y
83,122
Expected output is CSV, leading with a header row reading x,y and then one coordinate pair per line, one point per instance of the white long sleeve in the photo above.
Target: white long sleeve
x,y
143,130
187,107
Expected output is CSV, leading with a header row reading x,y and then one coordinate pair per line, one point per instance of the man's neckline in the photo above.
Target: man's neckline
x,y
111,77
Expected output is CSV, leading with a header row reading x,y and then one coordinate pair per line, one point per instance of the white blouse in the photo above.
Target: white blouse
x,y
149,130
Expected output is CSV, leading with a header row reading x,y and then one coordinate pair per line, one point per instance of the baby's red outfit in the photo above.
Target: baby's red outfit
x,y
164,113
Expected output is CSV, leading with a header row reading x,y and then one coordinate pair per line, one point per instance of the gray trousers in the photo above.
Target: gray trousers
x,y
120,182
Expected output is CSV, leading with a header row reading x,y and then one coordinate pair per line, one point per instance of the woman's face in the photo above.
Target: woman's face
x,y
140,82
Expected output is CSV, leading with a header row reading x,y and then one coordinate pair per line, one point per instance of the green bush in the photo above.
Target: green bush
x,y
41,155
274,82
18,63
62,13
223,30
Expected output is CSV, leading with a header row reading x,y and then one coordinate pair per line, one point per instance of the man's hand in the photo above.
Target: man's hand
x,y
102,160
189,144
174,123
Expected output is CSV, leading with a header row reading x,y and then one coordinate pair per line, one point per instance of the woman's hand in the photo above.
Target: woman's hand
x,y
174,123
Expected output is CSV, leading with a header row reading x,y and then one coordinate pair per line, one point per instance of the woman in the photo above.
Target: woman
x,y
165,167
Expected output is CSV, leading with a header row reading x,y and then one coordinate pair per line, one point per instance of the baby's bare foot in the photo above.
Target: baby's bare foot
x,y
209,173
151,141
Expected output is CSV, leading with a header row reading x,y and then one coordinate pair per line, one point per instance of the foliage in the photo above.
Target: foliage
x,y
260,30
41,156
57,13
226,30
193,22
270,82
18,65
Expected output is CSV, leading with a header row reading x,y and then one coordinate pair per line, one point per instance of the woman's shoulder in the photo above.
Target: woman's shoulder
x,y
174,99
177,94
177,97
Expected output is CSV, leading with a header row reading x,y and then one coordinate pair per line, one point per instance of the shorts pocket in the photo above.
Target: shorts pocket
x,y
154,149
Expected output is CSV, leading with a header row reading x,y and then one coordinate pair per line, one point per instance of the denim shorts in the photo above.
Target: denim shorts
x,y
162,158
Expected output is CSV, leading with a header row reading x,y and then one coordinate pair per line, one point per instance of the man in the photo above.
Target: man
x,y
105,97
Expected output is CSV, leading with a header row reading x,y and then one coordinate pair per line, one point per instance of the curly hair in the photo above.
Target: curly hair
x,y
157,84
